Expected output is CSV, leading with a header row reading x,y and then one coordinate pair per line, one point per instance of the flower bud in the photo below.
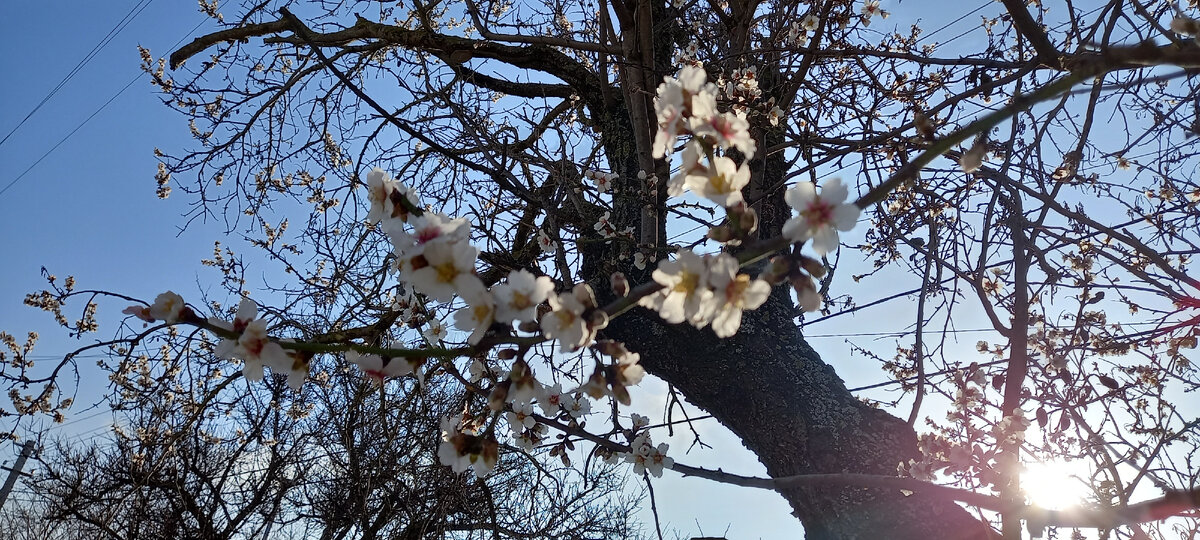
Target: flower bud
x,y
778,270
612,348
596,385
586,296
748,221
806,293
499,395
619,283
721,234
507,354
597,319
812,266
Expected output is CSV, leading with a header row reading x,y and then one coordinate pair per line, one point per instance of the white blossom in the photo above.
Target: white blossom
x,y
723,184
445,269
434,332
727,130
547,244
462,451
577,405
686,294
734,293
378,368
477,316
521,417
810,23
256,350
167,307
565,322
519,296
646,457
973,158
821,216
551,399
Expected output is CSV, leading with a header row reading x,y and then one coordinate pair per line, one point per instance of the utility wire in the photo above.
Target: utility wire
x,y
112,34
86,120
68,136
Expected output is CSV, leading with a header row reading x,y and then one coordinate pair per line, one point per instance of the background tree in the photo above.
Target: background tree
x,y
354,460
989,189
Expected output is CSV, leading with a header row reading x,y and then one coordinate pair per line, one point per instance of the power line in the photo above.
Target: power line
x,y
86,120
68,136
112,34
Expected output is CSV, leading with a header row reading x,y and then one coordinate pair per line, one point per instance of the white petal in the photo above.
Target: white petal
x,y
800,195
825,240
845,216
796,229
727,321
834,192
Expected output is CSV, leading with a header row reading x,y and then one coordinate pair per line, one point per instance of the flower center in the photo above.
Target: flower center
x,y
428,233
687,283
446,272
481,312
818,213
737,287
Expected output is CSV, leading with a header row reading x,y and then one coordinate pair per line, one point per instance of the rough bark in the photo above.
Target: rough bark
x,y
771,389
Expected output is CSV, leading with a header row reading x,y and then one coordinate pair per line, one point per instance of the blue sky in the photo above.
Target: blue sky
x,y
89,209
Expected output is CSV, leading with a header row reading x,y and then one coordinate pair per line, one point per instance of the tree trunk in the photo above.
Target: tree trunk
x,y
768,386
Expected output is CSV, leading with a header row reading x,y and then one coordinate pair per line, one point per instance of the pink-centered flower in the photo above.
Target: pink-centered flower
x,y
727,130
820,216
256,350
547,244
379,368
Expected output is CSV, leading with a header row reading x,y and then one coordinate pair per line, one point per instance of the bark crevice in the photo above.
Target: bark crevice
x,y
771,389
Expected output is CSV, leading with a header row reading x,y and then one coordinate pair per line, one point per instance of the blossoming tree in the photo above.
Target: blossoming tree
x,y
590,192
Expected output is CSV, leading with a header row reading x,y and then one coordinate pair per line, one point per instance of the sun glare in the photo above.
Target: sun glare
x,y
1055,485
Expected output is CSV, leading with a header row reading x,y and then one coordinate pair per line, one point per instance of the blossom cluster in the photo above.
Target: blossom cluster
x,y
1011,429
256,350
704,290
687,105
646,457
602,180
251,344
870,9
434,256
798,31
464,447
